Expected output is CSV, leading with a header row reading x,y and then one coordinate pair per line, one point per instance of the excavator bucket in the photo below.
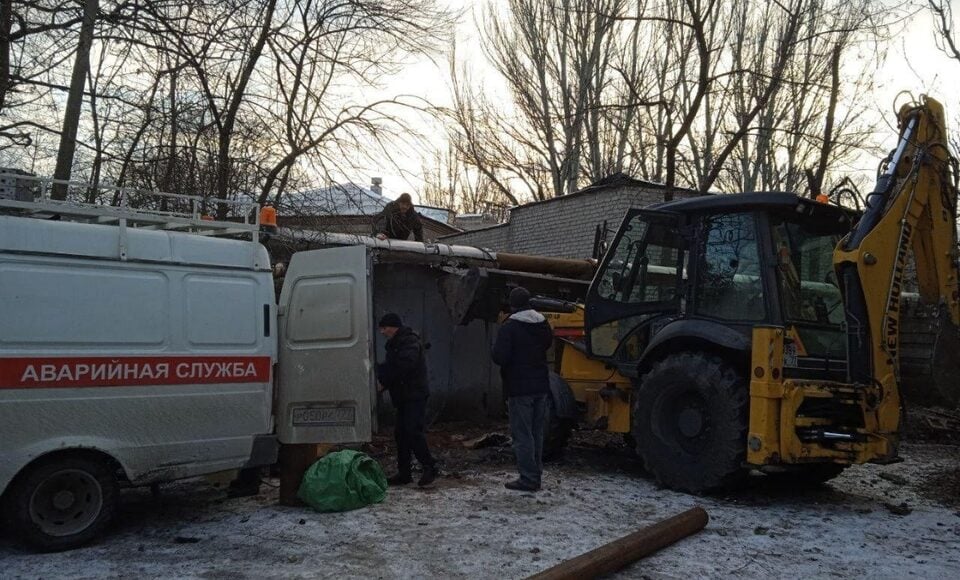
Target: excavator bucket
x,y
930,357
946,360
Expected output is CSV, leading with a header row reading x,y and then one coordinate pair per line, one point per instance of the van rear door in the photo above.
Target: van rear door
x,y
326,379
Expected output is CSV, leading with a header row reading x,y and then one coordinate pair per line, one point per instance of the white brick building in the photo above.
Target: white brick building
x,y
567,226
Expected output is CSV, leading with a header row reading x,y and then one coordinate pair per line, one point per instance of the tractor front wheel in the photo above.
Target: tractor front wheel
x,y
690,422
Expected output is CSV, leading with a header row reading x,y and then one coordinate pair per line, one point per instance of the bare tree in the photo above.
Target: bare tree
x,y
553,56
943,23
695,94
220,99
450,183
29,52
312,117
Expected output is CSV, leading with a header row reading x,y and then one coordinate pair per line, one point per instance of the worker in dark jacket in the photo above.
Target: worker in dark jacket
x,y
398,219
404,375
521,352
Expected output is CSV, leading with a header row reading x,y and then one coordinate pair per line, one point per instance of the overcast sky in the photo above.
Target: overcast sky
x,y
913,64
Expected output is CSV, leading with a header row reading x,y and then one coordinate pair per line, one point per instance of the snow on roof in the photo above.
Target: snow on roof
x,y
435,213
338,199
347,199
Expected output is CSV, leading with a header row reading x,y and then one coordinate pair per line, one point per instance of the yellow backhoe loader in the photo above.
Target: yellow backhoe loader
x,y
727,333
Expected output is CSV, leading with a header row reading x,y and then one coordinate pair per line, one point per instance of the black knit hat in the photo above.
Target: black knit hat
x,y
519,298
391,319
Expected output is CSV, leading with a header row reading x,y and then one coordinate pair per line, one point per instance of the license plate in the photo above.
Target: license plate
x,y
323,416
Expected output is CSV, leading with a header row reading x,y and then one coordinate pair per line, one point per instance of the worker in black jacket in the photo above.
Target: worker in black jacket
x,y
398,219
521,352
404,375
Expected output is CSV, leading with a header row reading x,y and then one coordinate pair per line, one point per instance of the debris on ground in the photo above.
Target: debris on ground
x,y
932,425
901,509
476,529
894,478
488,440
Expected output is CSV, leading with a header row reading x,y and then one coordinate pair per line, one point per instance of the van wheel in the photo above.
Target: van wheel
x,y
62,503
690,422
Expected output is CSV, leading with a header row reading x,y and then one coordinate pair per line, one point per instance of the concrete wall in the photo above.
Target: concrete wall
x,y
495,238
564,226
464,382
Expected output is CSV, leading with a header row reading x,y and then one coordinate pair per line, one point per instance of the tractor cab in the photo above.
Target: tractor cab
x,y
701,273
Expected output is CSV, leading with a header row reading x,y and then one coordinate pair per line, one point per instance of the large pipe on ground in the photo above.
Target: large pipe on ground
x,y
613,556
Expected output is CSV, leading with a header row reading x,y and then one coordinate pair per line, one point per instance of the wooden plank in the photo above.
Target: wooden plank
x,y
294,460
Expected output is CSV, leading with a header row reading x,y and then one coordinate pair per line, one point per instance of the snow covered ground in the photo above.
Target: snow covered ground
x,y
469,526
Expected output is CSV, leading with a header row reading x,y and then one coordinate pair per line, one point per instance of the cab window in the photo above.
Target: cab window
x,y
729,284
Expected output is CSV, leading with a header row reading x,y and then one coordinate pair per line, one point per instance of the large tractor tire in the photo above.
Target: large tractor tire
x,y
62,502
556,432
690,422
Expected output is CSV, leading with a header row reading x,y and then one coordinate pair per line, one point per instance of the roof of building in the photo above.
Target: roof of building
x,y
337,199
609,183
347,199
440,214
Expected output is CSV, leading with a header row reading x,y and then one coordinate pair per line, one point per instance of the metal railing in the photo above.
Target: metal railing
x,y
32,197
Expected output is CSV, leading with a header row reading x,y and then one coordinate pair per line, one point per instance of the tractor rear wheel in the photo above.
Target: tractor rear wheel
x,y
690,422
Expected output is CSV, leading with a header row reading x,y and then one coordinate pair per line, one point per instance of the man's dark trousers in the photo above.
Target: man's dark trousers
x,y
409,429
526,427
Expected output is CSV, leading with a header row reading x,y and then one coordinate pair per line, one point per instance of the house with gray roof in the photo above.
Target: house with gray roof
x,y
349,208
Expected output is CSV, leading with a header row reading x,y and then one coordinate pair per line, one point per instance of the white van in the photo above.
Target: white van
x,y
139,347
142,352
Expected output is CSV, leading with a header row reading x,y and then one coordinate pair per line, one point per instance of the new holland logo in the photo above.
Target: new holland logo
x,y
891,321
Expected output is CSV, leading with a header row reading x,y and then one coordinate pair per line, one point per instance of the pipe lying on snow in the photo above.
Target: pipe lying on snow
x,y
613,556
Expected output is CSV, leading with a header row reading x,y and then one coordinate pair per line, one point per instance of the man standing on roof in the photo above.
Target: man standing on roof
x,y
397,220
404,375
521,352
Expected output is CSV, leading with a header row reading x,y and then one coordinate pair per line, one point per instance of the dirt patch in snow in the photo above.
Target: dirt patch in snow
x,y
873,521
932,425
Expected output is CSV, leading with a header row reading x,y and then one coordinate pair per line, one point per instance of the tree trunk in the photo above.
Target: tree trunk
x,y
6,22
816,178
166,184
71,116
230,116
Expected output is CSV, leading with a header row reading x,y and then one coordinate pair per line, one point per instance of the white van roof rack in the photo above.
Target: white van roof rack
x,y
30,197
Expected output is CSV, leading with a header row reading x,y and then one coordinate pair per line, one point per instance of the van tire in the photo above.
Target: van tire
x,y
690,422
62,502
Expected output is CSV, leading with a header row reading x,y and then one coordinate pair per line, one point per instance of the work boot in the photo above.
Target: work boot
x,y
428,477
399,479
520,485
246,484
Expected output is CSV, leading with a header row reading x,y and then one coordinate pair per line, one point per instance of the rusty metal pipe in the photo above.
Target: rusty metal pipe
x,y
613,556
567,268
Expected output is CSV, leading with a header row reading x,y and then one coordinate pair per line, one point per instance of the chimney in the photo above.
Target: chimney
x,y
375,187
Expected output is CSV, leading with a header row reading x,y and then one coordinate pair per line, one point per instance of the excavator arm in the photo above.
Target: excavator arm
x,y
914,205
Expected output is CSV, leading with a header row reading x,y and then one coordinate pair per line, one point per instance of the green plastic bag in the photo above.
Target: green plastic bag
x,y
342,481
